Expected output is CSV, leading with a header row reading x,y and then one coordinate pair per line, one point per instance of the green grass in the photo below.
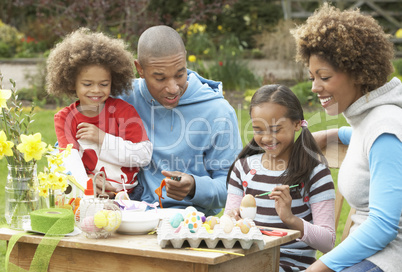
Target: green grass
x,y
43,123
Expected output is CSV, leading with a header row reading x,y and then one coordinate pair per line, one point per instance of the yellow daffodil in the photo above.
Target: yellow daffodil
x,y
43,191
5,146
32,147
220,27
50,148
55,161
43,180
52,179
4,96
67,150
192,58
60,182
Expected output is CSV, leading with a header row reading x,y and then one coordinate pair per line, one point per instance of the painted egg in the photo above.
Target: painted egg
x,y
113,221
188,210
122,196
248,207
248,201
176,220
208,228
226,223
212,221
245,225
87,225
193,221
100,218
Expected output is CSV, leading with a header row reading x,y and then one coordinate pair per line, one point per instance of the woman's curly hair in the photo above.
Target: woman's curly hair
x,y
82,48
348,40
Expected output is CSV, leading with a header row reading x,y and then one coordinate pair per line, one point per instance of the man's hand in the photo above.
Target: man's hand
x,y
91,133
178,190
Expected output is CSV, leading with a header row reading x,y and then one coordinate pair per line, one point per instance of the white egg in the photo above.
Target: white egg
x,y
248,207
248,212
227,223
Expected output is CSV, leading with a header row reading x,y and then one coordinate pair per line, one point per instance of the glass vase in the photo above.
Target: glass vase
x,y
21,195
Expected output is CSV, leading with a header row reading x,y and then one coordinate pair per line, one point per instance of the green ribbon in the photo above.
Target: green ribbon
x,y
44,251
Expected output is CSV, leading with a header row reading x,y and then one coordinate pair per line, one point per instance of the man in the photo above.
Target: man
x,y
192,127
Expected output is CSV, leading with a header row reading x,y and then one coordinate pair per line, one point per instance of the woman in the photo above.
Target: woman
x,y
349,60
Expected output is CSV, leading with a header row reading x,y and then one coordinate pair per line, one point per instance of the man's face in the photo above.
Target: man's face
x,y
166,78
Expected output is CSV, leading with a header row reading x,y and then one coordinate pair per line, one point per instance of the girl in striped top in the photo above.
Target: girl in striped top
x,y
273,161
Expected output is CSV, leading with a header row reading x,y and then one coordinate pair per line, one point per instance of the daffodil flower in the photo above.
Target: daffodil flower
x,y
4,96
61,182
32,147
5,146
43,191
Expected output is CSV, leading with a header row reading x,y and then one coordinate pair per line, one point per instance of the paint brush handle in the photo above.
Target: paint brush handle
x,y
267,193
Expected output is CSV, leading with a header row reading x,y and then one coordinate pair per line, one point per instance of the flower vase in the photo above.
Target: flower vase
x,y
21,194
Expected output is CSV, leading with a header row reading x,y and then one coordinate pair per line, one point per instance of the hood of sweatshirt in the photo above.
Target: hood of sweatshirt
x,y
199,89
389,94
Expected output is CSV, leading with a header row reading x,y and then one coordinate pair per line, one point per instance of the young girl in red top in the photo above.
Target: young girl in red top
x,y
107,133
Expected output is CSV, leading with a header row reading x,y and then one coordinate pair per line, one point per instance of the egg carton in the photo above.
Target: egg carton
x,y
167,235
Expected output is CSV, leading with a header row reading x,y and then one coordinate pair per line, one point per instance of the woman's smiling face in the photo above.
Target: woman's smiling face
x,y
336,90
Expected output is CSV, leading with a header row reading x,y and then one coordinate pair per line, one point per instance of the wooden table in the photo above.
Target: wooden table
x,y
142,253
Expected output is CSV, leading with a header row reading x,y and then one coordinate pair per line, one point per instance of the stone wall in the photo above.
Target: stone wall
x,y
271,70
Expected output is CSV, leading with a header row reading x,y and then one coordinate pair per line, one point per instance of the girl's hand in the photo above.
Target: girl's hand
x,y
110,190
283,202
91,133
235,213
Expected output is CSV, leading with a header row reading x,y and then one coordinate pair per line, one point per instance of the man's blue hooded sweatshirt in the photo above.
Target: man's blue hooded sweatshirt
x,y
199,137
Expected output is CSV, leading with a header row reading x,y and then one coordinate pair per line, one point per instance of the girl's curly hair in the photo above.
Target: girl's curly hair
x,y
82,48
348,40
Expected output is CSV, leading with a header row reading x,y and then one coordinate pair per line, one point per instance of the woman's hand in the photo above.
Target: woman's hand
x,y
318,266
325,137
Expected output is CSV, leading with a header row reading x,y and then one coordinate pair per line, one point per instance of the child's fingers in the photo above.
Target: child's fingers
x,y
82,125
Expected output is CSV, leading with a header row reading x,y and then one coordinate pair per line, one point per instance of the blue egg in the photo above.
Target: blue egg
x,y
176,220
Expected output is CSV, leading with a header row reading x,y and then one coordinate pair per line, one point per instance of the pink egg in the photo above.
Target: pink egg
x,y
88,225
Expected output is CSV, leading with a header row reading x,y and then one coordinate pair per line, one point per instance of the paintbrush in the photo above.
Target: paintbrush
x,y
267,193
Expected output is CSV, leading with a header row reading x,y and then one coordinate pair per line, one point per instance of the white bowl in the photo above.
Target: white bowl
x,y
138,222
166,212
132,205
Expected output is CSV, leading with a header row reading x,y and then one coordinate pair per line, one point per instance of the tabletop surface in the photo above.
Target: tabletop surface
x,y
147,246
